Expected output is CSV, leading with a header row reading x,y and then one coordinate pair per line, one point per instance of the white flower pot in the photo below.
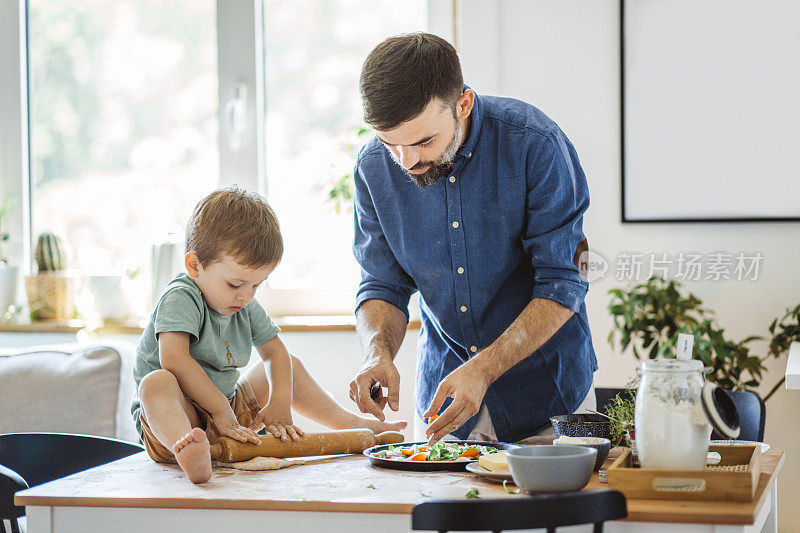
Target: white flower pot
x,y
110,297
9,278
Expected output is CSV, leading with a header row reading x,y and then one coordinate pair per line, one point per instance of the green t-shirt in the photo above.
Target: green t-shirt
x,y
221,344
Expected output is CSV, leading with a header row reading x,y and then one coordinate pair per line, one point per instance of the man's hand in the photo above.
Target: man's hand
x,y
377,369
467,386
278,421
228,426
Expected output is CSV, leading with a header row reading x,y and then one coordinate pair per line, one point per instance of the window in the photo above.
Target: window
x,y
315,50
123,124
138,108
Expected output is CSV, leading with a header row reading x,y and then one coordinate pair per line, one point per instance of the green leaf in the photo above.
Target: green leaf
x,y
509,489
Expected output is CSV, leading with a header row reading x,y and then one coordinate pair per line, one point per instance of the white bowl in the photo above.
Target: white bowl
x,y
551,468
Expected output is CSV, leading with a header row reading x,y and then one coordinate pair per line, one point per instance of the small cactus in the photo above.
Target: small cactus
x,y
50,252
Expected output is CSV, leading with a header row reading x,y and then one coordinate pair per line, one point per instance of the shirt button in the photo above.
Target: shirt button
x,y
460,270
455,224
473,349
452,179
463,308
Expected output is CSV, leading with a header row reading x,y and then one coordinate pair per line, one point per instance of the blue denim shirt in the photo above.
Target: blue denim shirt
x,y
518,196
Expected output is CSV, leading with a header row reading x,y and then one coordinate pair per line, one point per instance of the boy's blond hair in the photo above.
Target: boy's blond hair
x,y
237,223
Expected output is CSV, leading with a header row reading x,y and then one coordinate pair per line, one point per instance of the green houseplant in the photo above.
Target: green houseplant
x,y
52,291
340,189
649,316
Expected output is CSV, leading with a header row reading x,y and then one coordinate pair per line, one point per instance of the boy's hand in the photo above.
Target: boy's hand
x,y
228,426
278,421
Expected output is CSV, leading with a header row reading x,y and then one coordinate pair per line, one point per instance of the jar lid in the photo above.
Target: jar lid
x,y
721,411
672,365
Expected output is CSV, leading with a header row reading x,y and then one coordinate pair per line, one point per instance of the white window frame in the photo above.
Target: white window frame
x,y
14,139
241,115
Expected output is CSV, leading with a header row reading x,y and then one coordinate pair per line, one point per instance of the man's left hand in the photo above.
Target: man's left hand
x,y
467,386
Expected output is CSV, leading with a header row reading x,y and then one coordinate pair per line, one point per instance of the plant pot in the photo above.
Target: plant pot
x,y
110,297
8,286
51,295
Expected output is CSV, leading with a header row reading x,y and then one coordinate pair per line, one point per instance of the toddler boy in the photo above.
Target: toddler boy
x,y
202,331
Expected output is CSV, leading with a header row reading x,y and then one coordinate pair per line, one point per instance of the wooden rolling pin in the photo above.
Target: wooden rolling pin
x,y
328,443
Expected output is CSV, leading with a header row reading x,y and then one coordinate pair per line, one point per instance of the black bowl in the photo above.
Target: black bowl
x,y
581,425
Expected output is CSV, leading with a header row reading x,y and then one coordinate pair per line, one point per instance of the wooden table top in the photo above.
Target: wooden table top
x,y
341,483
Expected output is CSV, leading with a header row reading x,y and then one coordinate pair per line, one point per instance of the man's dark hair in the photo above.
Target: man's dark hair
x,y
403,73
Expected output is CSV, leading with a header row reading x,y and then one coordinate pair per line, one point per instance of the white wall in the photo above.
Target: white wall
x,y
563,57
333,358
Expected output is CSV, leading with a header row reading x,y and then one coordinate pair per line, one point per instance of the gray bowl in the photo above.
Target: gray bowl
x,y
602,451
551,468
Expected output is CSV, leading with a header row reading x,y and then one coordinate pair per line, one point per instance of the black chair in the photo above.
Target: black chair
x,y
752,415
541,511
604,395
30,459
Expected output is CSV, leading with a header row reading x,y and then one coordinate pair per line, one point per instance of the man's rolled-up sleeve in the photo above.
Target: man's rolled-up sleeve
x,y
382,277
557,197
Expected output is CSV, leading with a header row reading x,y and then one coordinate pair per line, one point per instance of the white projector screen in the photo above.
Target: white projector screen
x,y
711,110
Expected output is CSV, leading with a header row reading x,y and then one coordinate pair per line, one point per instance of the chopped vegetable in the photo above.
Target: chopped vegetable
x,y
441,451
371,486
509,489
473,493
432,418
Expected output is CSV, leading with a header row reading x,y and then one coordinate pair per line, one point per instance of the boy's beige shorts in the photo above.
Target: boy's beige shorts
x,y
245,407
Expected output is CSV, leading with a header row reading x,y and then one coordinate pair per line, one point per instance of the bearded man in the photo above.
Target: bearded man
x,y
476,202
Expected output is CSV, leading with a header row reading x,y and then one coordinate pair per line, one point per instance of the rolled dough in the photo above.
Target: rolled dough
x,y
263,463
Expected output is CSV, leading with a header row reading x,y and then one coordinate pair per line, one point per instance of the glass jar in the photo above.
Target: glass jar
x,y
672,429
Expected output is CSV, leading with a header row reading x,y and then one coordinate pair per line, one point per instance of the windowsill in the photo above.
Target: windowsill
x,y
136,327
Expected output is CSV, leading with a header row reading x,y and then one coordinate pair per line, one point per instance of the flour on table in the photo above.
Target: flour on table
x,y
263,463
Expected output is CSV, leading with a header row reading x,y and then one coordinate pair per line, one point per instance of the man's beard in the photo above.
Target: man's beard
x,y
442,168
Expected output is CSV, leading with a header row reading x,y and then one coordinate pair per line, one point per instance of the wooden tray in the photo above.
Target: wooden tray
x,y
737,484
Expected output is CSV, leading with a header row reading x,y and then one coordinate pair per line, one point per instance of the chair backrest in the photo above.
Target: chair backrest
x,y
540,511
604,395
752,415
10,483
43,457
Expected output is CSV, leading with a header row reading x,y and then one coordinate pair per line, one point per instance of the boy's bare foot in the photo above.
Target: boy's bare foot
x,y
194,455
376,425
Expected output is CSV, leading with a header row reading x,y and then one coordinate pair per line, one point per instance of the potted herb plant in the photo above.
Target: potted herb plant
x,y
620,410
